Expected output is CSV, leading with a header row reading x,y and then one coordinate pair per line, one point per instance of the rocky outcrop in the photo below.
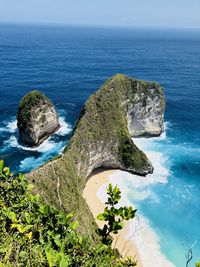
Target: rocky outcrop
x,y
37,118
146,113
121,108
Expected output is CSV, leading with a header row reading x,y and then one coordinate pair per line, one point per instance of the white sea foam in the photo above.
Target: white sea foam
x,y
10,127
31,161
65,128
136,188
34,162
46,146
147,242
144,237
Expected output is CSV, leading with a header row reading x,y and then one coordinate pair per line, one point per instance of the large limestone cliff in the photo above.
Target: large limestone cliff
x,y
121,108
37,118
102,138
146,113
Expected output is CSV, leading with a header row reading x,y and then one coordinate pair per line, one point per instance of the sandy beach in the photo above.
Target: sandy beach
x,y
95,181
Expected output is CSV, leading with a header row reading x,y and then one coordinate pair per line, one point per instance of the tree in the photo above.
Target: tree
x,y
113,216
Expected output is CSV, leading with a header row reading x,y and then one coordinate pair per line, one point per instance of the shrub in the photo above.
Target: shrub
x,y
33,233
114,218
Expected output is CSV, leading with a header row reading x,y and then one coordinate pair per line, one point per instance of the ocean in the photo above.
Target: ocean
x,y
68,64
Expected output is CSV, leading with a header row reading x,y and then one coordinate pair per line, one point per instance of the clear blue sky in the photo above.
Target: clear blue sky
x,y
134,13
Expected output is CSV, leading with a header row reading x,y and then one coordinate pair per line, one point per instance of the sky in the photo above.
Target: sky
x,y
132,13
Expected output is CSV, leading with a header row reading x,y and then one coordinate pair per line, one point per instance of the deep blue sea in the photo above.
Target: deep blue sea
x,y
69,63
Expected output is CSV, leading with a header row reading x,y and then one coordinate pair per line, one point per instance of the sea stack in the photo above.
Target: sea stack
x,y
37,118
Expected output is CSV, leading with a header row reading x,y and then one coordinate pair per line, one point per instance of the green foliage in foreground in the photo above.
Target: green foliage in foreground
x,y
197,264
36,234
114,218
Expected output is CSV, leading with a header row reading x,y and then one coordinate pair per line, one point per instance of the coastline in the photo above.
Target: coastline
x,y
96,180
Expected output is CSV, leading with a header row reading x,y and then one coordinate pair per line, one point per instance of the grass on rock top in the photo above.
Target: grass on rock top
x,y
29,101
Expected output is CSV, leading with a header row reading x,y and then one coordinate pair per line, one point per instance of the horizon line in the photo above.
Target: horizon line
x,y
63,24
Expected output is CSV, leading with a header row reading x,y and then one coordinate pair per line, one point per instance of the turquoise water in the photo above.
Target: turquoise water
x,y
172,202
70,63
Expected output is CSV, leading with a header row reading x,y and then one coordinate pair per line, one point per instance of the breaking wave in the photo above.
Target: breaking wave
x,y
51,147
135,189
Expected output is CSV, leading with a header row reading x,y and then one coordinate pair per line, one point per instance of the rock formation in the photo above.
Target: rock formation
x,y
146,113
37,118
121,108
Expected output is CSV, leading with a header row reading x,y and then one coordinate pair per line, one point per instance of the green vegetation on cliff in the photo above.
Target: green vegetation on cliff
x,y
100,139
32,99
33,233
103,126
36,234
28,101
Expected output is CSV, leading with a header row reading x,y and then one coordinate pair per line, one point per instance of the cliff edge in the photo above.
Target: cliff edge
x,y
121,108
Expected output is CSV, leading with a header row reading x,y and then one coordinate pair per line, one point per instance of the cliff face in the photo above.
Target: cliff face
x,y
37,118
146,113
121,108
102,138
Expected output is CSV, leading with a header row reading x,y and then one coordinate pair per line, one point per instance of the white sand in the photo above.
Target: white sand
x,y
126,247
140,232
